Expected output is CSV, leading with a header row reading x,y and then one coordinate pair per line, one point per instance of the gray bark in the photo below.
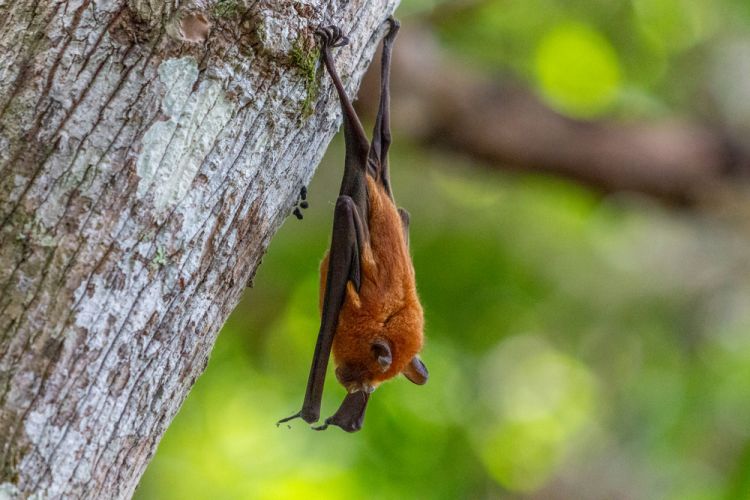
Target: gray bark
x,y
149,150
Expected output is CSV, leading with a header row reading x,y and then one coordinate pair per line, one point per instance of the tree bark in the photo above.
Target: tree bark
x,y
148,152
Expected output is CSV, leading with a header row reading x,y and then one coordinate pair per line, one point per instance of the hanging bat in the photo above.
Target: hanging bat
x,y
371,317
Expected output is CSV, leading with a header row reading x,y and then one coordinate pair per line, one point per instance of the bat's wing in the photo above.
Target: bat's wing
x,y
343,266
381,136
353,184
351,414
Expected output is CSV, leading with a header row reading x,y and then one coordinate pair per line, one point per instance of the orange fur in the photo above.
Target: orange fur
x,y
387,306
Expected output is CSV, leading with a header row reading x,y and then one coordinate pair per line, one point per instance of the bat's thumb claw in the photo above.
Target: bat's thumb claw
x,y
320,427
287,419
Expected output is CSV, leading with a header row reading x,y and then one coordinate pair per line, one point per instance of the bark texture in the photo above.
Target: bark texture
x,y
149,149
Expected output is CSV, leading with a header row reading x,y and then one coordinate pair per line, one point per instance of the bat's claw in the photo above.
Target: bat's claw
x,y
393,27
287,419
321,427
305,414
332,36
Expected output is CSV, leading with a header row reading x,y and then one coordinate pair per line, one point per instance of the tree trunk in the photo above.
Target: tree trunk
x,y
149,150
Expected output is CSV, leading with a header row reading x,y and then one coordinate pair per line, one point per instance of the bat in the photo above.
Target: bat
x,y
371,317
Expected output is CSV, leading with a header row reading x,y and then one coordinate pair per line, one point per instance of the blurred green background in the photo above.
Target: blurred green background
x,y
579,345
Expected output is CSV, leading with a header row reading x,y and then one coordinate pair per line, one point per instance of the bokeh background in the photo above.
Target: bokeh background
x,y
583,342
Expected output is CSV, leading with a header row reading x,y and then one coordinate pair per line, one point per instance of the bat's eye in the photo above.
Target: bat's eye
x,y
382,353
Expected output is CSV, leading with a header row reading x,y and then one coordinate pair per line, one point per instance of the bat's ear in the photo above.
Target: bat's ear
x,y
416,371
382,352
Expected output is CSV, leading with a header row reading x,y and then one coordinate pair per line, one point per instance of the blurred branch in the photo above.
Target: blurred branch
x,y
437,100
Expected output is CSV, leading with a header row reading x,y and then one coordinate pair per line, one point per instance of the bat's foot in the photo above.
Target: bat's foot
x,y
321,427
331,36
393,27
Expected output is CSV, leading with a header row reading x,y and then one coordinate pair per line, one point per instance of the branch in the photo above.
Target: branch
x,y
440,101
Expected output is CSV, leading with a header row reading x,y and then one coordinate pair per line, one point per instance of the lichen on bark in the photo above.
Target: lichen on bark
x,y
305,56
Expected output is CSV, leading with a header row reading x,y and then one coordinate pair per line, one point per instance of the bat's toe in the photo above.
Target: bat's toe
x,y
332,36
394,26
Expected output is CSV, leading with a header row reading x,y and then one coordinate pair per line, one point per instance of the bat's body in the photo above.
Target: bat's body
x,y
371,317
386,306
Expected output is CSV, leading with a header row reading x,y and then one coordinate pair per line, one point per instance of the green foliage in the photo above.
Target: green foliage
x,y
563,337
578,346
593,58
577,69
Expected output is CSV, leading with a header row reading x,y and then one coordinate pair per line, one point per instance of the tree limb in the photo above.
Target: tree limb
x,y
438,100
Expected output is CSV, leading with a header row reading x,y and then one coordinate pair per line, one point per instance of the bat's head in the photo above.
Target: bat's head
x,y
369,351
362,377
379,346
379,336
376,362
377,339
